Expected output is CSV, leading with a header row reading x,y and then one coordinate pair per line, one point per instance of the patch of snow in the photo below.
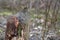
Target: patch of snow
x,y
33,24
42,20
35,28
31,35
40,27
4,26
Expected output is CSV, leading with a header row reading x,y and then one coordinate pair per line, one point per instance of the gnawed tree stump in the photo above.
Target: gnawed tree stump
x,y
14,29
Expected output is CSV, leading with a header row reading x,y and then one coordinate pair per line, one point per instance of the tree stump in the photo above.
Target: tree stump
x,y
13,26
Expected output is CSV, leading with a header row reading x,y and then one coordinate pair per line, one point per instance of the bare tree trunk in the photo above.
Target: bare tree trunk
x,y
46,18
53,17
56,18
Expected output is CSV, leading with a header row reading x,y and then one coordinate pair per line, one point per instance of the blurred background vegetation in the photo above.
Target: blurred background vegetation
x,y
44,15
